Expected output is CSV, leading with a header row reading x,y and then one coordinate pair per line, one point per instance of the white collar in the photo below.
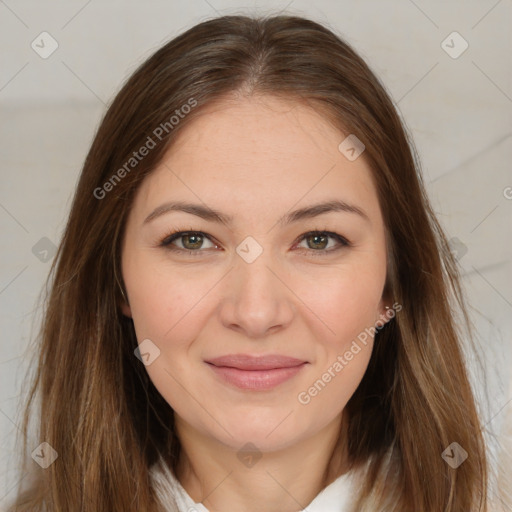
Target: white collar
x,y
336,497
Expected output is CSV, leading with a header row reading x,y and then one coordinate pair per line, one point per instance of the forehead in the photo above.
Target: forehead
x,y
259,154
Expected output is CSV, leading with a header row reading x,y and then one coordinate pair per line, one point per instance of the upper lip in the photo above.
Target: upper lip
x,y
248,362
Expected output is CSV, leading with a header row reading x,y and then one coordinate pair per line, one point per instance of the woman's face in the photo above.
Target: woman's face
x,y
256,284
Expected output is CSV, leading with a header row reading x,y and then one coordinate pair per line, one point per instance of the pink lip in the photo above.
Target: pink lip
x,y
248,362
256,373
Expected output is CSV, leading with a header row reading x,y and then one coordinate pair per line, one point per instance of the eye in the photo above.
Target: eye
x,y
320,241
191,242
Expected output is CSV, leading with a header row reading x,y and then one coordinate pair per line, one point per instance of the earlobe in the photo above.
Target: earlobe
x,y
124,304
386,313
125,309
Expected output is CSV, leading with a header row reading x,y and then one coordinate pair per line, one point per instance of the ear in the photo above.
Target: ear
x,y
125,309
386,312
387,308
380,321
124,305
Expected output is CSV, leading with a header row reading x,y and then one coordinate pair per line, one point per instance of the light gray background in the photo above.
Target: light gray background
x,y
457,109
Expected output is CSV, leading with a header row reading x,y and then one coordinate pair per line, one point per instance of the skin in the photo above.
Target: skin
x,y
256,159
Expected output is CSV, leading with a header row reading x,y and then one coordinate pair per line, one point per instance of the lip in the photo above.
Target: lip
x,y
256,373
248,362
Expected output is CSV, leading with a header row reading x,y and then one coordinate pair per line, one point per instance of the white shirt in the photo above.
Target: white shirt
x,y
336,497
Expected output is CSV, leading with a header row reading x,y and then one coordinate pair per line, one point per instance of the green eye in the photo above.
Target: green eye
x,y
192,242
321,238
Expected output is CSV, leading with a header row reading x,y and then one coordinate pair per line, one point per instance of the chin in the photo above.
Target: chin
x,y
268,433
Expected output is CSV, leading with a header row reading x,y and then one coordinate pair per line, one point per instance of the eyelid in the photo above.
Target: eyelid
x,y
343,242
166,242
176,235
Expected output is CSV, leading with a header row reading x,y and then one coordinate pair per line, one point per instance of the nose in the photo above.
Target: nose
x,y
256,299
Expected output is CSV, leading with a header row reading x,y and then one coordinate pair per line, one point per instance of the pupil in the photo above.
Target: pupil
x,y
315,237
188,237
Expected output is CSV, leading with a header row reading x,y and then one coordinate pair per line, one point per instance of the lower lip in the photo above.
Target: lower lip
x,y
256,380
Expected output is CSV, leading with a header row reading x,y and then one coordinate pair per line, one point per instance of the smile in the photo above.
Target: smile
x,y
256,380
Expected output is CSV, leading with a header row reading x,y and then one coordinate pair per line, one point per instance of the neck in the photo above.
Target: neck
x,y
284,480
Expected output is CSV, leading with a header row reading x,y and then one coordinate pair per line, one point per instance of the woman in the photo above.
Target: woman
x,y
252,306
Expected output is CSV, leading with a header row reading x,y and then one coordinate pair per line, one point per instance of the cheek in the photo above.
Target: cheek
x,y
328,392
349,308
168,311
346,301
162,307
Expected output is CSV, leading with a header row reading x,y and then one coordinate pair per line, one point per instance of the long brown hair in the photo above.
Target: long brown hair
x,y
98,408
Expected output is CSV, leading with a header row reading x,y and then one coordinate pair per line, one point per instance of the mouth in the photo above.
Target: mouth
x,y
256,373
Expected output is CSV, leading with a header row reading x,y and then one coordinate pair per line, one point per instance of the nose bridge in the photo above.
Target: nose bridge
x,y
255,299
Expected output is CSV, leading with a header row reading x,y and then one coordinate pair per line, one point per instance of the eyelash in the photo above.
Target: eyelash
x,y
166,242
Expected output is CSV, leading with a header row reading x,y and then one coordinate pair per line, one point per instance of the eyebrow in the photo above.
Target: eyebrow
x,y
213,215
